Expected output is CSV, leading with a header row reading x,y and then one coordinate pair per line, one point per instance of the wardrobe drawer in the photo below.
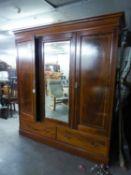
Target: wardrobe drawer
x,y
39,128
82,140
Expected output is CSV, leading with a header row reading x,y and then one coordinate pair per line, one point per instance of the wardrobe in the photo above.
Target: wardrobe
x,y
66,84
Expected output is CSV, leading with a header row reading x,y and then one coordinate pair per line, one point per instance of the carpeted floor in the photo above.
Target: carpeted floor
x,y
22,156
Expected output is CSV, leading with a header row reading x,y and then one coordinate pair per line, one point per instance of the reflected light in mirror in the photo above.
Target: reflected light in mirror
x,y
65,48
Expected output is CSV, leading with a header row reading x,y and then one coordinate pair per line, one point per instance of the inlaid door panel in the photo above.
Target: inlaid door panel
x,y
26,77
94,81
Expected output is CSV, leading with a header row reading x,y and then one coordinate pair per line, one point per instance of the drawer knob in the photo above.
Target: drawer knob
x,y
33,91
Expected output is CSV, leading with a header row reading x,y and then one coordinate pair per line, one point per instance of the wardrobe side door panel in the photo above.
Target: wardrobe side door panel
x,y
94,80
26,77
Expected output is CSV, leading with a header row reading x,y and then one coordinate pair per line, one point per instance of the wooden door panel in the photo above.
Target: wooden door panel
x,y
26,77
94,80
39,128
93,144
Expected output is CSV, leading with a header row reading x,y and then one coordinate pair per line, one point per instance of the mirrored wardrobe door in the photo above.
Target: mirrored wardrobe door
x,y
56,79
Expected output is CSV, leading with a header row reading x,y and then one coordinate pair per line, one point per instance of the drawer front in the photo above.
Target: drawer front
x,y
38,128
82,140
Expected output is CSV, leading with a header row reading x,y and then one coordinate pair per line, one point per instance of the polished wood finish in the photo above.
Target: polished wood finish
x,y
95,23
26,81
95,80
83,140
39,129
94,44
65,147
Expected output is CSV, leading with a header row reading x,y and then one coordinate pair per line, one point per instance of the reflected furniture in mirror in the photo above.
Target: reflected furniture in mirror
x,y
55,90
80,55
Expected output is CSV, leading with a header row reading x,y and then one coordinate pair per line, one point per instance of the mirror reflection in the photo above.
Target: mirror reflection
x,y
56,77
